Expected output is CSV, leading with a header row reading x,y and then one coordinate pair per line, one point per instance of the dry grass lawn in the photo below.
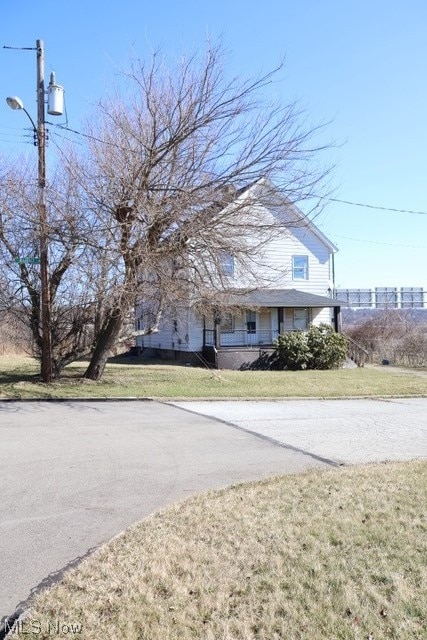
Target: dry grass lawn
x,y
319,556
19,378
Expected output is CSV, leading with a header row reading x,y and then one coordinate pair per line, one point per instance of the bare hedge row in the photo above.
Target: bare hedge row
x,y
394,336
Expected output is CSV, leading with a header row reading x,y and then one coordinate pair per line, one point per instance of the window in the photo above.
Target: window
x,y
300,267
226,261
300,319
227,322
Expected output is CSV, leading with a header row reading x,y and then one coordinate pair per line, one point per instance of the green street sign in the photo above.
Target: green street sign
x,y
28,260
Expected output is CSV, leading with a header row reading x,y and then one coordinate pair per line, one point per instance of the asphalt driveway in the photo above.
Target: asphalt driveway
x,y
74,474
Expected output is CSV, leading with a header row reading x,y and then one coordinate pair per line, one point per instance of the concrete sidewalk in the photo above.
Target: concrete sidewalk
x,y
346,431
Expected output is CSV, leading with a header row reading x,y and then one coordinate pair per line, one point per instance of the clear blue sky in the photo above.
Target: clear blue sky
x,y
359,63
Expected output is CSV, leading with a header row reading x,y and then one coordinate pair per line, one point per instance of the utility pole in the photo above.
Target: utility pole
x,y
45,306
55,107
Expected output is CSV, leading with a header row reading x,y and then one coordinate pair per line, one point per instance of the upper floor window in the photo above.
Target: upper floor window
x,y
226,261
300,267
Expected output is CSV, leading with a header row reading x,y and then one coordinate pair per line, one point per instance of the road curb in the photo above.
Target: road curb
x,y
100,399
169,399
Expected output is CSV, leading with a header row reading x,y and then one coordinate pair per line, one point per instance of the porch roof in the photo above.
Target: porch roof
x,y
284,298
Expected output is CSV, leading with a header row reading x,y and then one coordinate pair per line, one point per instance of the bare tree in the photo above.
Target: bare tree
x,y
72,305
150,206
165,175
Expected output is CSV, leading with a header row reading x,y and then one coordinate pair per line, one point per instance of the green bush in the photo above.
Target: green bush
x,y
328,349
292,351
318,348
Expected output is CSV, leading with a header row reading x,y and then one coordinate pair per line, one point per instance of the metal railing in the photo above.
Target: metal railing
x,y
241,338
356,352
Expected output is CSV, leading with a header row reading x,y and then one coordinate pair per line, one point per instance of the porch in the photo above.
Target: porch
x,y
250,326
262,315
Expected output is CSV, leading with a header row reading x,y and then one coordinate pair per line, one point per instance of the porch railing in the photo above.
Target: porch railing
x,y
241,338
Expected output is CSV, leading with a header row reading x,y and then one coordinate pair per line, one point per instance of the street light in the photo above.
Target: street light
x,y
55,107
15,103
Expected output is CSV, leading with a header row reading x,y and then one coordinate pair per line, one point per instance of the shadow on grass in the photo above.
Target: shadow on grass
x,y
19,375
141,361
12,377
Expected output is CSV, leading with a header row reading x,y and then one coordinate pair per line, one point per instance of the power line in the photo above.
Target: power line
x,y
10,142
349,202
372,206
388,244
85,135
14,131
58,135
338,200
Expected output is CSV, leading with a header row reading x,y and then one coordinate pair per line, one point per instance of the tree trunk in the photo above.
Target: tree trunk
x,y
104,344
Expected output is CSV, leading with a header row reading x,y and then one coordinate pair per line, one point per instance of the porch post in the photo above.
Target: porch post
x,y
280,319
337,319
217,332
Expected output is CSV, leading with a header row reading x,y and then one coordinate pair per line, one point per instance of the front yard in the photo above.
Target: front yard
x,y
150,379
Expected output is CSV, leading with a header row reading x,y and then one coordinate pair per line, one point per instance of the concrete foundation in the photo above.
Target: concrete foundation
x,y
236,359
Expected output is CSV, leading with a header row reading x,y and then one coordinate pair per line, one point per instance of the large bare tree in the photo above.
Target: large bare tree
x,y
157,195
167,158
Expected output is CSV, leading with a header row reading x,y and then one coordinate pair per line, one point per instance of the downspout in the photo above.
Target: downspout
x,y
333,275
337,310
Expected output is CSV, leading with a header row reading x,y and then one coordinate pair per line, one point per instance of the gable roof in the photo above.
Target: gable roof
x,y
263,184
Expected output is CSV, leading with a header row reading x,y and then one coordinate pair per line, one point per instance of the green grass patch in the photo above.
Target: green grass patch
x,y
327,554
19,378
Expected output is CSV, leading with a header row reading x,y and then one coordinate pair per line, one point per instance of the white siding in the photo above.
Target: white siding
x,y
195,321
274,263
271,267
320,316
162,339
173,333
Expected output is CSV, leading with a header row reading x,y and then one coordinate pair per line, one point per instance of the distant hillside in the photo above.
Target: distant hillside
x,y
352,317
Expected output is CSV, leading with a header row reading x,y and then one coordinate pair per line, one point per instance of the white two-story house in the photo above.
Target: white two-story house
x,y
292,287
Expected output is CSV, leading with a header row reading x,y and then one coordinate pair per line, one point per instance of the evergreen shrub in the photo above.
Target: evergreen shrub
x,y
318,348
